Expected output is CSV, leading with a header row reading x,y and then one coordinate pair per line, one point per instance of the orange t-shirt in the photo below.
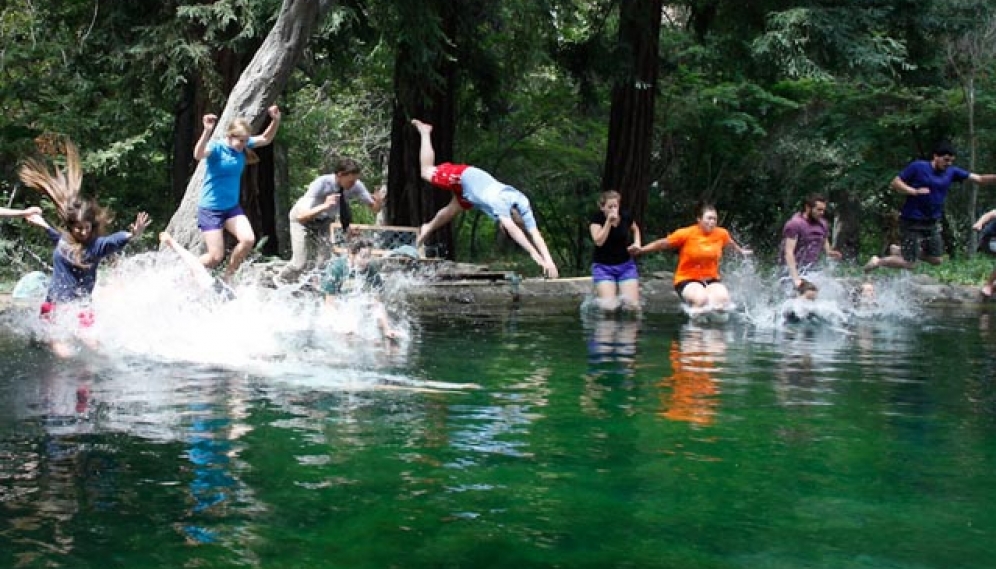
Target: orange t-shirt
x,y
698,253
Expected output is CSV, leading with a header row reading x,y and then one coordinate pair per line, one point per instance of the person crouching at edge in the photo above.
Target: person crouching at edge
x,y
81,244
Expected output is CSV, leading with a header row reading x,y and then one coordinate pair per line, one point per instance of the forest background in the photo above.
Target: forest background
x,y
748,104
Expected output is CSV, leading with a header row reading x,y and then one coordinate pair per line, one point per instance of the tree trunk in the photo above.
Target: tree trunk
x,y
847,234
631,124
411,201
257,88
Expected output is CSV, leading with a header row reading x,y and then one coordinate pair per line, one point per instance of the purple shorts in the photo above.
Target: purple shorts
x,y
614,273
213,219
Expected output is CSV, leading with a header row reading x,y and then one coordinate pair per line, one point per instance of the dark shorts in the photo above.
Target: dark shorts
x,y
214,219
614,273
84,315
920,236
678,287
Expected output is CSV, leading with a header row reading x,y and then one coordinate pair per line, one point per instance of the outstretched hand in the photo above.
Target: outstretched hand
x,y
142,221
550,271
37,220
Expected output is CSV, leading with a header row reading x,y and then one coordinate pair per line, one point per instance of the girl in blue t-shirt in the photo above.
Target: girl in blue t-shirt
x,y
219,210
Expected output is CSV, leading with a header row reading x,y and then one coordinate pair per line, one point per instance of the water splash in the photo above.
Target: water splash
x,y
764,300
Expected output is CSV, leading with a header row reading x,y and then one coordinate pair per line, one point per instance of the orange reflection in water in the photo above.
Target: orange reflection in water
x,y
690,391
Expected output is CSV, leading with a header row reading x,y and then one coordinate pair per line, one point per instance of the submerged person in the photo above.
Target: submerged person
x,y
700,248
925,184
805,236
613,270
312,215
801,308
354,276
81,244
473,187
219,210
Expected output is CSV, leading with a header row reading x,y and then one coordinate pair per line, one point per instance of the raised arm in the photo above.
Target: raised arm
x,y
271,129
201,148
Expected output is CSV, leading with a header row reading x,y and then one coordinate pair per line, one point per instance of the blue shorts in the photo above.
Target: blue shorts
x,y
213,219
614,273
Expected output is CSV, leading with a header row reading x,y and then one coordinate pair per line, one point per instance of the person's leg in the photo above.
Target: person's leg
x,y
933,245
441,218
905,258
629,285
214,241
605,295
240,227
718,296
201,275
299,253
606,291
426,153
987,288
629,294
694,295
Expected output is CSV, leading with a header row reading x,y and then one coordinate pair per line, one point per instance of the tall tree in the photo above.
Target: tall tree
x,y
631,123
970,54
425,87
257,88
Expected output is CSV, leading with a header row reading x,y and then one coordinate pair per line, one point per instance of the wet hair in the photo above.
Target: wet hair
x,y
347,166
812,199
944,148
62,187
806,286
702,207
357,245
608,195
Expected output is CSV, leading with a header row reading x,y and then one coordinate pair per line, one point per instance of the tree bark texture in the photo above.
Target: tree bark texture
x,y
631,123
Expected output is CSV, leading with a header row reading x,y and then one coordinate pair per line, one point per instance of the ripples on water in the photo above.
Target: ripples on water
x,y
249,433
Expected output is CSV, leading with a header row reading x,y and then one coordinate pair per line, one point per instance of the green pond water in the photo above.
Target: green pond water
x,y
511,439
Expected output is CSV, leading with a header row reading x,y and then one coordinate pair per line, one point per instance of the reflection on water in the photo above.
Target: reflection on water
x,y
510,440
691,388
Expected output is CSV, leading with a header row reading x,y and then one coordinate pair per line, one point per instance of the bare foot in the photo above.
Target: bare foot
x,y
895,250
987,290
421,126
166,239
872,263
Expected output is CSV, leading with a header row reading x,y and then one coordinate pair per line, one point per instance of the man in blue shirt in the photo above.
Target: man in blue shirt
x,y
926,184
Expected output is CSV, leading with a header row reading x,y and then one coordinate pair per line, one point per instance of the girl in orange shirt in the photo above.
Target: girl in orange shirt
x,y
700,247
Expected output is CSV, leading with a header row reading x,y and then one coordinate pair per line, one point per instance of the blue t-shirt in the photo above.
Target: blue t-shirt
x,y
71,282
223,177
921,174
